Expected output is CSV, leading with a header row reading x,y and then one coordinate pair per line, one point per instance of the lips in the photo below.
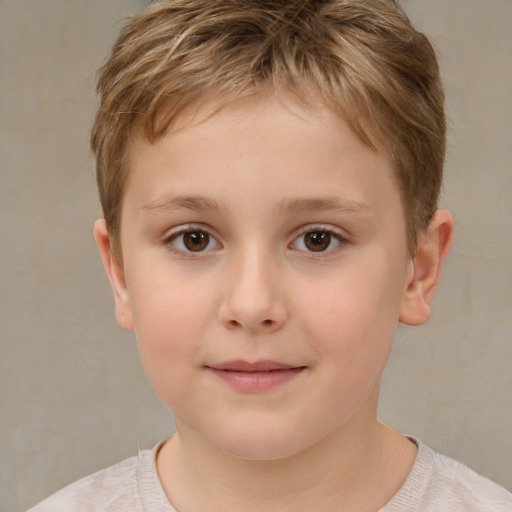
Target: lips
x,y
259,366
255,377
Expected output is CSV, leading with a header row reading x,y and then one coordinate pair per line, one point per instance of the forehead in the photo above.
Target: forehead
x,y
265,145
306,102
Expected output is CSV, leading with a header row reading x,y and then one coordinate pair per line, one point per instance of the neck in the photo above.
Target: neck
x,y
333,474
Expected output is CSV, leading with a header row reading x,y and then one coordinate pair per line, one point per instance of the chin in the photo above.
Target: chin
x,y
262,444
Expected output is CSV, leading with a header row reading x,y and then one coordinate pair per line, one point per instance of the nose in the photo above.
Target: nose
x,y
252,299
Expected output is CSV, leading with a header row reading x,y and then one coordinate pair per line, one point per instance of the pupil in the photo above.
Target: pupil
x,y
317,241
196,240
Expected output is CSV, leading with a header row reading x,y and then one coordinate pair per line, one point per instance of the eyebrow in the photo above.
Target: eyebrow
x,y
172,203
329,203
293,205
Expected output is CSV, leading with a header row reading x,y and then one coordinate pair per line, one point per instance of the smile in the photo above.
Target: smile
x,y
255,377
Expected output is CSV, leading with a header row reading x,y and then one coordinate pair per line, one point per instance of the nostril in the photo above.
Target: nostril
x,y
267,322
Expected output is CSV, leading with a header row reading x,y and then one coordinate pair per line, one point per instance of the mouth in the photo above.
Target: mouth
x,y
255,377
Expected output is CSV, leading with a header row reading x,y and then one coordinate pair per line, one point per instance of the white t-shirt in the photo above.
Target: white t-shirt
x,y
435,484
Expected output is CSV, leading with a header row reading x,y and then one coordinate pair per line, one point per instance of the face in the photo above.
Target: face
x,y
264,271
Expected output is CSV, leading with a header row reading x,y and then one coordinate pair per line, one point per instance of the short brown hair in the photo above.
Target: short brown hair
x,y
362,57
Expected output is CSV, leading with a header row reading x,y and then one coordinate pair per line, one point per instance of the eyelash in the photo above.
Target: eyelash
x,y
170,240
333,235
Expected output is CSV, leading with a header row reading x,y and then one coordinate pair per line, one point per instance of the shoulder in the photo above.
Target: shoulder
x,y
130,485
452,481
437,482
96,492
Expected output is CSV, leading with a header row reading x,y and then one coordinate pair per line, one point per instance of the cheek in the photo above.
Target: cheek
x,y
168,306
353,318
170,322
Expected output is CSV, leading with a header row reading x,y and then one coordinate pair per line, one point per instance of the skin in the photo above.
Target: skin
x,y
302,260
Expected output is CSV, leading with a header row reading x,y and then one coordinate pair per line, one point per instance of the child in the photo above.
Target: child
x,y
269,174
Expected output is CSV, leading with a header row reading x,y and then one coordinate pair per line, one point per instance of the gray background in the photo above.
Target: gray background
x,y
73,396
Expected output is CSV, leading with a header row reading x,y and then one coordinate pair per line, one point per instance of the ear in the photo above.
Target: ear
x,y
115,274
433,247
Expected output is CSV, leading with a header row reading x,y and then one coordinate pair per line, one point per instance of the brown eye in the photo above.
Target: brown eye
x,y
317,241
196,241
191,240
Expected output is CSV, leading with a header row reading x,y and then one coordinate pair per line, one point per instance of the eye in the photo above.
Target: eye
x,y
318,240
193,240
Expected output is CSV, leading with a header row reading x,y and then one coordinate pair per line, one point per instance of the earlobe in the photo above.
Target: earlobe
x,y
433,247
115,274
